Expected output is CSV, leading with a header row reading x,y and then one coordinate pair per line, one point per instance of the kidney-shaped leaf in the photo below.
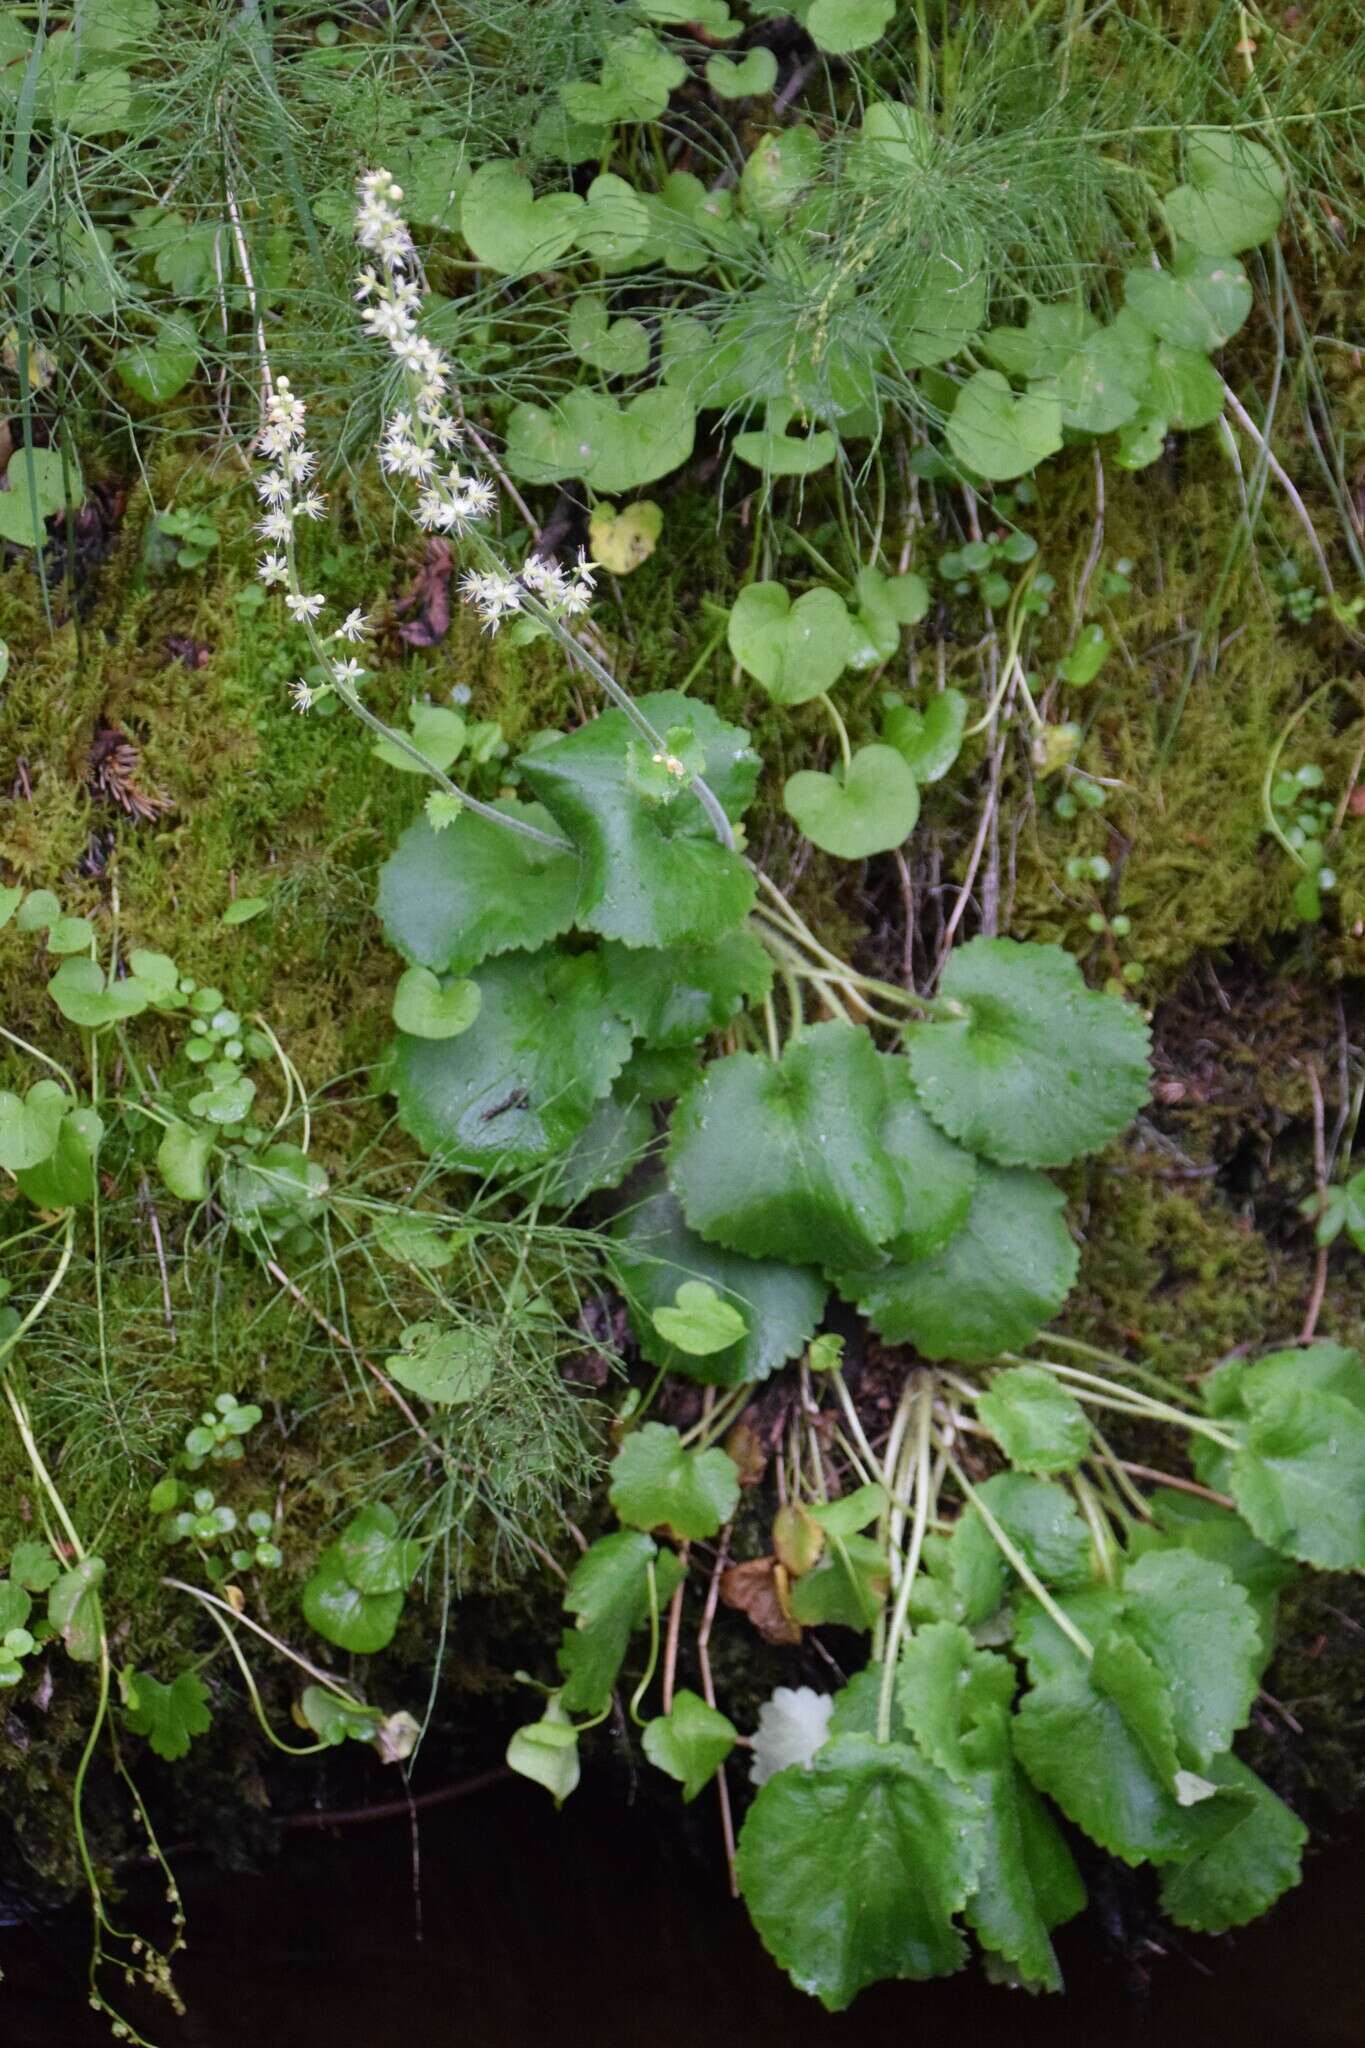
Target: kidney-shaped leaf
x,y
1036,1068
868,807
999,434
797,651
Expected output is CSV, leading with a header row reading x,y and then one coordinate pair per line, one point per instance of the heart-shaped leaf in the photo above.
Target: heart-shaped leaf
x,y
183,1158
611,447
338,1610
797,651
652,873
1044,346
885,604
621,541
692,1741
743,78
1184,389
1099,386
615,221
928,741
520,1084
427,1008
783,1159
37,490
944,310
776,451
999,434
868,808
619,348
778,170
638,74
698,1321
839,26
450,899
780,1304
655,1483
1235,195
1036,1068
1003,1274
159,368
443,1365
1198,304
437,732
509,229
608,1596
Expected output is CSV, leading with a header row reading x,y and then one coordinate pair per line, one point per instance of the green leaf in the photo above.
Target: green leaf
x,y
990,1288
1099,387
1028,1883
1199,1628
520,1084
675,997
652,874
436,731
11,895
998,434
1043,347
781,1304
1089,652
783,1159
15,1608
779,453
1038,1425
885,604
66,1178
853,1870
1099,1743
615,221
509,229
699,1322
612,447
169,1716
655,1483
333,1720
937,1177
1037,1068
1043,1523
73,1608
778,170
36,491
427,1008
183,1158
615,1138
159,368
1300,1477
690,1743
1246,1849
838,26
619,348
797,651
1184,389
84,997
546,1752
847,1588
608,1594
445,1366
450,899
243,908
356,1621
945,309
928,741
418,1239
869,807
1235,195
33,1567
375,1557
754,73
30,1126
1197,304
638,74
1187,1522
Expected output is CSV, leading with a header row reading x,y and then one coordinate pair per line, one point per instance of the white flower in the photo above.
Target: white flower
x,y
277,525
313,506
353,626
475,498
298,464
272,569
390,322
434,514
273,487
301,607
302,695
348,671
493,596
792,1726
584,569
366,282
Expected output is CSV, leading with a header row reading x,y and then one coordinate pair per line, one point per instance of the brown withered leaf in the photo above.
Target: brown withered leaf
x,y
428,597
758,1589
747,1449
798,1539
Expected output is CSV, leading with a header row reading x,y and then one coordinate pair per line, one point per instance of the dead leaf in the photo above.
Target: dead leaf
x,y
758,1589
428,597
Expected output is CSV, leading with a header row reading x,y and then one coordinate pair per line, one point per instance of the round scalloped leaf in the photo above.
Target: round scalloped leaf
x,y
1198,1626
656,1483
652,873
781,1305
1037,1422
1245,1850
512,231
676,997
1200,303
1000,434
797,651
937,1177
990,1288
1299,1479
520,1084
1037,1068
784,1159
450,899
869,807
1235,195
853,1869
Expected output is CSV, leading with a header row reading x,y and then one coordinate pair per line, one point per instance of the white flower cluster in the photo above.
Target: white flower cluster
x,y
287,494
420,435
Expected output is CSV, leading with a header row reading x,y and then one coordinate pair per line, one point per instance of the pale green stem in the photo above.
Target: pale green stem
x,y
1019,1562
923,1439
